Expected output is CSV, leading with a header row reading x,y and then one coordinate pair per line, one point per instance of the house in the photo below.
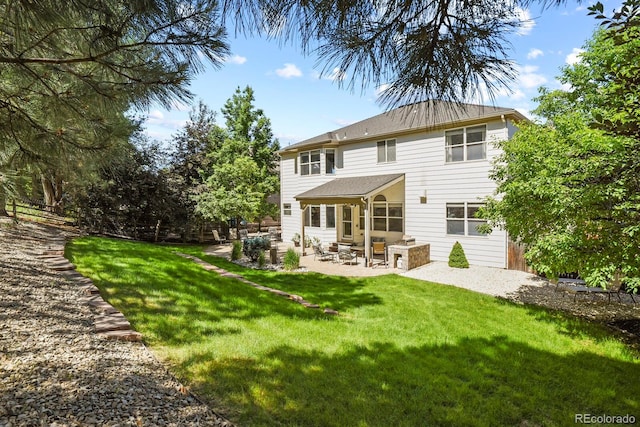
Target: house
x,y
420,170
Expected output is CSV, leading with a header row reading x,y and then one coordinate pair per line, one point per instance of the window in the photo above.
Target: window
x,y
466,144
286,209
331,216
330,161
386,151
462,221
310,163
347,223
387,216
312,216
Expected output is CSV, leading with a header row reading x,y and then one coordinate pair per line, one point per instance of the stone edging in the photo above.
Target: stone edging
x,y
224,273
110,323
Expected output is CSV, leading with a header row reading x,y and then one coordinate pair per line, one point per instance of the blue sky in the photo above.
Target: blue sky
x,y
301,105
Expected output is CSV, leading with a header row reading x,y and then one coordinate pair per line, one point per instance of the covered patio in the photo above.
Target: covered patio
x,y
367,208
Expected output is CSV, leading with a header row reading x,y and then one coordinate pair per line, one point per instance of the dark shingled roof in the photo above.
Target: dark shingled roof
x,y
414,117
349,188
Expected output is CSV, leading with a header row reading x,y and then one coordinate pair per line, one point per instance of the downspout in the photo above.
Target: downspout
x,y
302,229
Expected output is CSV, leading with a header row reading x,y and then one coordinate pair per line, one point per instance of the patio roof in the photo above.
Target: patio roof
x,y
348,190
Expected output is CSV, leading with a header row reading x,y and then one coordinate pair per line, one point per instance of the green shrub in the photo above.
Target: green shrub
x,y
252,247
457,258
236,250
291,260
262,260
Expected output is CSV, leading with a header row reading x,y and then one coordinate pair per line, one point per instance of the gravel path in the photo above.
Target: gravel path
x,y
55,371
492,281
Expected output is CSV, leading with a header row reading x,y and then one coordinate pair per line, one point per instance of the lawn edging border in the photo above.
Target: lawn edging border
x,y
224,273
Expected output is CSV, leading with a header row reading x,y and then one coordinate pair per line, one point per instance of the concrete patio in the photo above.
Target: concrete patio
x,y
315,265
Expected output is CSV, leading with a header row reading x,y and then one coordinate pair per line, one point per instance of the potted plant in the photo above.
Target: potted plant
x,y
296,239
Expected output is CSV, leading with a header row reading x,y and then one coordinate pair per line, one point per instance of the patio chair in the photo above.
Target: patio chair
x,y
319,252
218,238
244,234
379,254
345,254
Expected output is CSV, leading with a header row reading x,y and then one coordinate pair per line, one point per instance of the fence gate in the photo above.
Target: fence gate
x,y
515,257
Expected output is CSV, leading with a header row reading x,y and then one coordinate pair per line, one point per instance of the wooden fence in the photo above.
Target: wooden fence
x,y
35,212
515,257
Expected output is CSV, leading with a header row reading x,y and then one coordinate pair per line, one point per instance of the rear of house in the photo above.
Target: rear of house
x,y
419,171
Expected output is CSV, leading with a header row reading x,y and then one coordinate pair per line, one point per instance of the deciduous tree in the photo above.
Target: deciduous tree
x,y
243,167
570,188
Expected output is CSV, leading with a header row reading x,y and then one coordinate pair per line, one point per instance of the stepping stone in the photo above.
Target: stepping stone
x,y
125,335
111,322
309,305
296,298
331,311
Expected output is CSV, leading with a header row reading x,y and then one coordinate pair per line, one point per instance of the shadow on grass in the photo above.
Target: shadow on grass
x,y
493,381
337,292
172,299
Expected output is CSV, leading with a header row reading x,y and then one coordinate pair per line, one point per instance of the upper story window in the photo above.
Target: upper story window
x,y
461,219
310,162
286,209
386,151
466,144
330,161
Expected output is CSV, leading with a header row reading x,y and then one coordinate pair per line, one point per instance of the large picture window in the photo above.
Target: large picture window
x,y
310,162
466,144
461,219
387,216
386,151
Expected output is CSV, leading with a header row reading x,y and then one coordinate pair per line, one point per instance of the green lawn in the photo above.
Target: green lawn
x,y
402,352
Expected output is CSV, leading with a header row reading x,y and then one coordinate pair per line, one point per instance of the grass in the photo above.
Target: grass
x,y
403,352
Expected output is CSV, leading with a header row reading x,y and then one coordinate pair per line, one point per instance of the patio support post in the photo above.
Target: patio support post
x,y
367,232
302,209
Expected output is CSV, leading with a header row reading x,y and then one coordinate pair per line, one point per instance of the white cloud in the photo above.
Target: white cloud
x,y
337,75
574,56
380,89
534,53
236,59
526,22
288,71
156,115
528,77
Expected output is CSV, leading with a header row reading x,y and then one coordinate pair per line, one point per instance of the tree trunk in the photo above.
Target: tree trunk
x,y
52,189
3,204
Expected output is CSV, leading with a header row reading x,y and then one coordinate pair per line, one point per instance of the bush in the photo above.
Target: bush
x,y
262,260
236,251
291,260
252,247
457,258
